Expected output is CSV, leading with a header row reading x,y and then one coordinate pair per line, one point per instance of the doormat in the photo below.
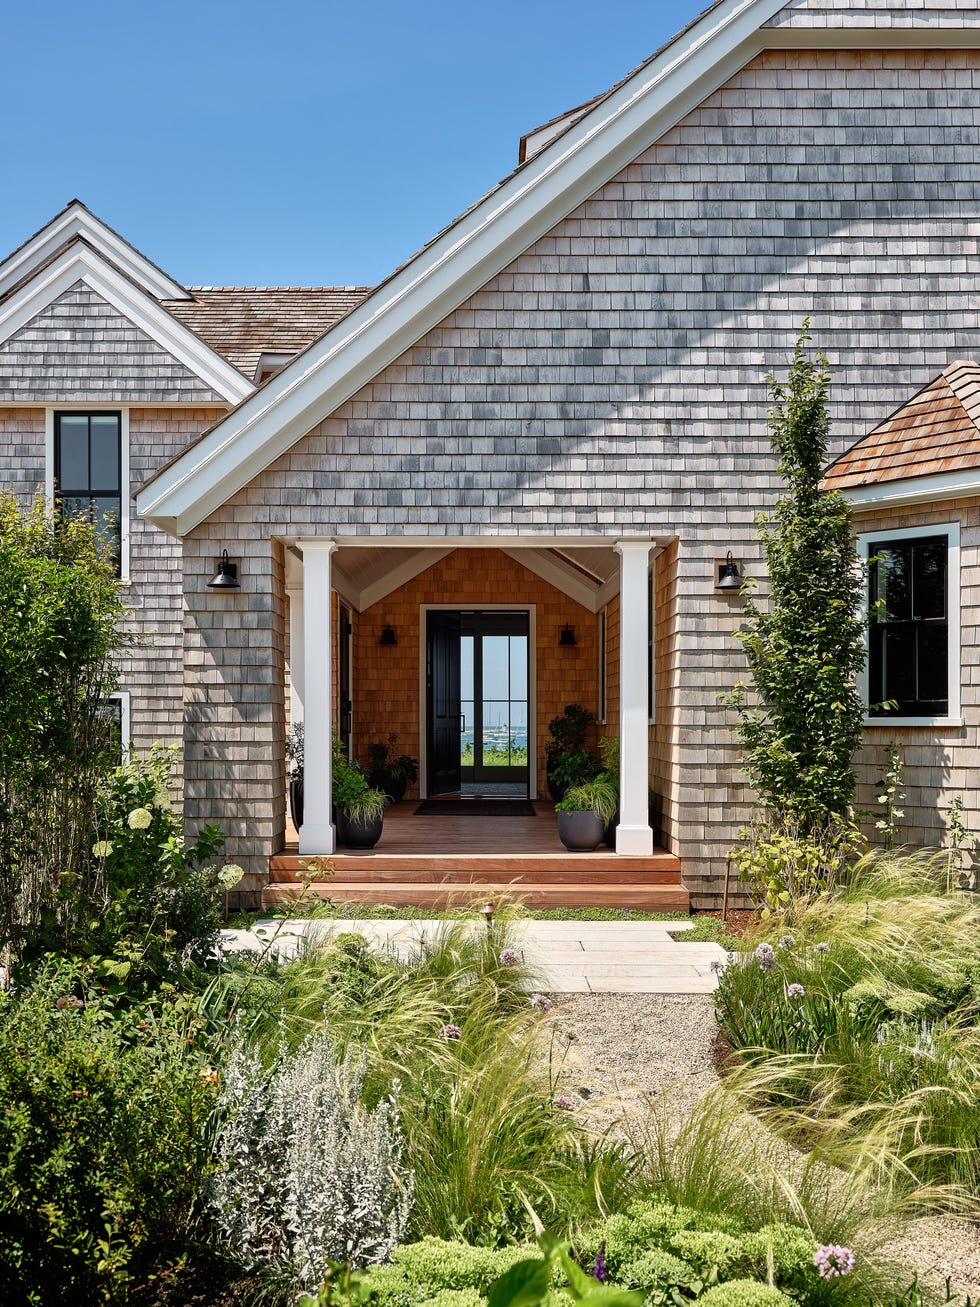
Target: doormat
x,y
475,808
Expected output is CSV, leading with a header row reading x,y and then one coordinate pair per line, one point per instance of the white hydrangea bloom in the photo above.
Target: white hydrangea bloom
x,y
140,818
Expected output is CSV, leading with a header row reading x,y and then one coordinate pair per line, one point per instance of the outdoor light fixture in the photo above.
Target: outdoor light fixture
x,y
388,636
226,577
729,577
567,636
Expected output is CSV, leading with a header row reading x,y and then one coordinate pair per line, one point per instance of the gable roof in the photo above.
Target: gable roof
x,y
543,190
244,322
927,448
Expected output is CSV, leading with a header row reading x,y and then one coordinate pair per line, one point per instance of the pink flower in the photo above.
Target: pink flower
x,y
832,1261
508,957
565,1103
69,1000
449,1031
542,1001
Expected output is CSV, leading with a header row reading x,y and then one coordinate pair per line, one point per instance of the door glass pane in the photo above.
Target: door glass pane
x,y
466,705
496,733
104,446
518,667
73,453
496,666
518,733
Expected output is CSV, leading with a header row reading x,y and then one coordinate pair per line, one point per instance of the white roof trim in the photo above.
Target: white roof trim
x,y
566,579
456,264
79,263
915,490
76,220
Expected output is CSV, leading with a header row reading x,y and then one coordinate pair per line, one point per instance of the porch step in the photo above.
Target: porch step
x,y
580,892
545,868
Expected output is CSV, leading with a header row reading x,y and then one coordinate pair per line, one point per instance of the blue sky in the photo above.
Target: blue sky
x,y
297,142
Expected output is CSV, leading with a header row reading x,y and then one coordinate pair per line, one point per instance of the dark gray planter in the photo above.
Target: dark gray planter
x,y
296,802
388,783
580,832
358,834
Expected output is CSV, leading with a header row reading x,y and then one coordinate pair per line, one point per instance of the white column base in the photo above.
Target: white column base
x,y
317,839
635,841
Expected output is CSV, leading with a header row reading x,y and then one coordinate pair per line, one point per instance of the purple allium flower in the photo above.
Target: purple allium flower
x,y
599,1271
450,1031
69,1001
832,1261
717,967
821,948
542,1001
795,991
565,1103
508,957
766,955
787,941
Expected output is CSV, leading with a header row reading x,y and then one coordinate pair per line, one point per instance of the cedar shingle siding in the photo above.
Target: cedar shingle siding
x,y
82,348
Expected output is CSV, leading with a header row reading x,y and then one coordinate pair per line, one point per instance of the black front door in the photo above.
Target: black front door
x,y
344,706
442,644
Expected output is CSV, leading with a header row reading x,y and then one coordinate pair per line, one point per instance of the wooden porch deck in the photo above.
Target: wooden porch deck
x,y
429,861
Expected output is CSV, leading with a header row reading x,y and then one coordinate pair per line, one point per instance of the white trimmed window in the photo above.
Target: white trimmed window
x,y
912,677
117,711
88,472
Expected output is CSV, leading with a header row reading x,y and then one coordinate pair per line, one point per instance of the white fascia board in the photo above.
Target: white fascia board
x,y
79,263
917,490
456,264
77,221
552,570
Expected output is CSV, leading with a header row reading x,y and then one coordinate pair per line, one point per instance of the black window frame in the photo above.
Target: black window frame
x,y
92,492
915,625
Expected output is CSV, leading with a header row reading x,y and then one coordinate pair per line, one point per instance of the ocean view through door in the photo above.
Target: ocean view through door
x,y
478,679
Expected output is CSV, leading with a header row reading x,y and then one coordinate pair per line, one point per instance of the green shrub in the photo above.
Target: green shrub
x,y
707,1248
102,1141
443,1264
789,1246
655,1269
456,1298
744,1293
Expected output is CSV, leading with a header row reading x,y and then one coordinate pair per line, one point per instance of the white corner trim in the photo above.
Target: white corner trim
x,y
951,530
457,263
125,727
80,264
76,220
915,490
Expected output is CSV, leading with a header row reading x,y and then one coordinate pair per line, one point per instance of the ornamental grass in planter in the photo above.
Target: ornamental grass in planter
x,y
585,812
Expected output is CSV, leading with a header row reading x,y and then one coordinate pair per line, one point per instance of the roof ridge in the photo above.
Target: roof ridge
x,y
278,288
966,391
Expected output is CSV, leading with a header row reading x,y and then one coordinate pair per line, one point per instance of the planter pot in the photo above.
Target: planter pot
x,y
394,786
580,832
358,834
609,834
296,802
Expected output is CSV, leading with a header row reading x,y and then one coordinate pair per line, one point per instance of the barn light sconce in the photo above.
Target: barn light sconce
x,y
388,636
567,637
729,577
226,577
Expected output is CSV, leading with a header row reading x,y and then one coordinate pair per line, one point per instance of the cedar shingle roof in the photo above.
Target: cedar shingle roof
x,y
937,431
243,322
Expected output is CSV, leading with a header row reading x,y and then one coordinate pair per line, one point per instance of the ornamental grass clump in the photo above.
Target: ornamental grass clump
x,y
308,1172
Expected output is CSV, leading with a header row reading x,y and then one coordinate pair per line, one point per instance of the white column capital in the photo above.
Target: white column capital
x,y
632,548
318,545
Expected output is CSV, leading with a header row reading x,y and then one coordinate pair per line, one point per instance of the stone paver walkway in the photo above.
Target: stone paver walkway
x,y
568,957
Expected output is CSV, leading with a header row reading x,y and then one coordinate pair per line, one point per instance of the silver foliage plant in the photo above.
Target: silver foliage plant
x,y
307,1172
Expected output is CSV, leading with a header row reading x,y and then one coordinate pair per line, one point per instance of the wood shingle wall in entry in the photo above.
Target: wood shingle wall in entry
x,y
386,678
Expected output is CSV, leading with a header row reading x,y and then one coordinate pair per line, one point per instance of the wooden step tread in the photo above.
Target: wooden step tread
x,y
500,864
435,876
667,898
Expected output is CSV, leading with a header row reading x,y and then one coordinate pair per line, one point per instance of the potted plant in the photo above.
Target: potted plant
x,y
584,813
569,760
295,747
391,772
358,809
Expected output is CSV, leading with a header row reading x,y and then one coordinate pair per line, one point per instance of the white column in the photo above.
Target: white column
x,y
317,834
634,835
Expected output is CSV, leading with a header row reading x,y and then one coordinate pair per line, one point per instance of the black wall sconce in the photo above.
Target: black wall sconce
x,y
729,577
567,637
226,577
388,636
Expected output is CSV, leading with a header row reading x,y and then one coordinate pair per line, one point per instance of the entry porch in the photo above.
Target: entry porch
x,y
431,861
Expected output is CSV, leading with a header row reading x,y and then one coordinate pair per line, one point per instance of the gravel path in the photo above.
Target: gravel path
x,y
628,1047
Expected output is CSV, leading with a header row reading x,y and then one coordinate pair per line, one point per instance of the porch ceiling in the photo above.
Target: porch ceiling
x,y
365,574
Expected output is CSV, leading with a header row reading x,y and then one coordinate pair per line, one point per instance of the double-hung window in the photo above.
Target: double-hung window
x,y
88,472
913,624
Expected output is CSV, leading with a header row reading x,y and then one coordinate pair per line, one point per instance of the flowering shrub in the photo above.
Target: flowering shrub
x,y
308,1173
102,1136
832,1261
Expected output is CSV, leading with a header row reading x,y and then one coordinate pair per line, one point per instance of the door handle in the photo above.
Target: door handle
x,y
462,721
